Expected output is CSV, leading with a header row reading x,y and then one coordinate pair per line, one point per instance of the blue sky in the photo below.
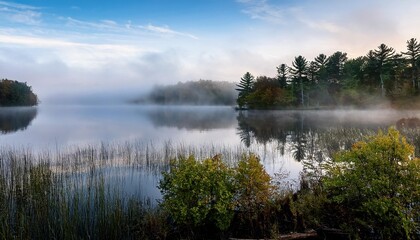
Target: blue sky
x,y
122,48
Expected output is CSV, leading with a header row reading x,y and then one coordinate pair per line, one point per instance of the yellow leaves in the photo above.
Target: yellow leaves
x,y
204,191
380,179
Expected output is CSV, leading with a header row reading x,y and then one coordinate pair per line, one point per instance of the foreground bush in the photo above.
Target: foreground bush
x,y
198,193
254,192
374,189
209,194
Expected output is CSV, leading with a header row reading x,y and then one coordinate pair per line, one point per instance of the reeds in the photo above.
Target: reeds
x,y
108,191
91,192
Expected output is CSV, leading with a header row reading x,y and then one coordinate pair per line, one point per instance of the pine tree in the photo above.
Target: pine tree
x,y
335,66
282,75
383,56
245,87
413,54
299,71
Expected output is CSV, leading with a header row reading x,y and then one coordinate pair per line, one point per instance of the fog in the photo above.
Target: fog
x,y
202,92
16,119
193,118
72,58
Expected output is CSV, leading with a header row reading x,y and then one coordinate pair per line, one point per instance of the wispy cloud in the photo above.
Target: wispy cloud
x,y
73,53
128,27
97,26
286,15
20,13
18,6
166,30
30,15
263,10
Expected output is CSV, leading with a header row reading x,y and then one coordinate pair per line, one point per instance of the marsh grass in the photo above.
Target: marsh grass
x,y
80,193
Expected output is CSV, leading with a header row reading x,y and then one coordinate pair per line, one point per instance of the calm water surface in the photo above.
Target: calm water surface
x,y
283,139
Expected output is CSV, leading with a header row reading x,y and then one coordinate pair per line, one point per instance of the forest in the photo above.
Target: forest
x,y
381,76
14,93
202,92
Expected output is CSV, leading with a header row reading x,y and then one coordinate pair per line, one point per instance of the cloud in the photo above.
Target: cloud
x,y
286,15
129,28
20,13
71,53
166,30
18,6
261,9
327,26
57,68
124,56
108,25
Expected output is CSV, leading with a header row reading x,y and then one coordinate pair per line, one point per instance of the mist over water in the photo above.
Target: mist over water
x,y
13,119
283,139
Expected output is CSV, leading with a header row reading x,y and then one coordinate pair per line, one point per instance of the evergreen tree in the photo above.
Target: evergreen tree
x,y
299,72
312,72
320,64
352,72
244,88
383,56
321,61
370,71
413,54
282,75
335,66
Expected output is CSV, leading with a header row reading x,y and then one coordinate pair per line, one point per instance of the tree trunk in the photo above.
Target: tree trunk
x,y
382,85
301,93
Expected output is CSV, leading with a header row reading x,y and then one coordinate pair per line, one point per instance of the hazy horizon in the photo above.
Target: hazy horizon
x,y
85,51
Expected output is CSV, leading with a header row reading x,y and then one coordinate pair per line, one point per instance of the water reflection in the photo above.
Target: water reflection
x,y
139,141
314,135
193,118
13,119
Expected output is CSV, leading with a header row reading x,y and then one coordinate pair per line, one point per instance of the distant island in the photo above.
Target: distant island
x,y
381,78
202,92
14,93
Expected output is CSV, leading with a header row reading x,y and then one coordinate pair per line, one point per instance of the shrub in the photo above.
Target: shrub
x,y
199,193
253,185
375,187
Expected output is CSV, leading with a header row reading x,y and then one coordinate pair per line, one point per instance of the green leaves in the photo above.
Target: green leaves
x,y
253,184
208,192
14,93
377,183
199,192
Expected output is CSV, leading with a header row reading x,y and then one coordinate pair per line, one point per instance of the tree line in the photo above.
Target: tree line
x,y
336,80
14,93
202,92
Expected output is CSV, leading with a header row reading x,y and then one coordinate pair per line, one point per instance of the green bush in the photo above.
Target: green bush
x,y
209,193
375,187
253,184
199,193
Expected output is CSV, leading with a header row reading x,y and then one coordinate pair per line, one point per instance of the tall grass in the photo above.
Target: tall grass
x,y
80,192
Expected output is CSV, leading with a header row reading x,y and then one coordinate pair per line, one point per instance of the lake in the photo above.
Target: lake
x,y
148,136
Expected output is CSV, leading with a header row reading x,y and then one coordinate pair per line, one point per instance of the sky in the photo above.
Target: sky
x,y
86,51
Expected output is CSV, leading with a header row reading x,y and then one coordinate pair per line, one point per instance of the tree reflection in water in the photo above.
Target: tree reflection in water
x,y
13,119
193,118
307,135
